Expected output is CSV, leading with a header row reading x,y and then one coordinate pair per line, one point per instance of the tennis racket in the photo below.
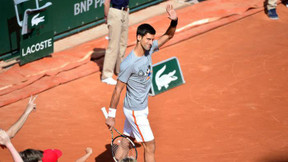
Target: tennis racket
x,y
122,147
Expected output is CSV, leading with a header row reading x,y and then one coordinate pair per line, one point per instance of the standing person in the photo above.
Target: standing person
x,y
12,131
135,74
116,14
271,9
49,155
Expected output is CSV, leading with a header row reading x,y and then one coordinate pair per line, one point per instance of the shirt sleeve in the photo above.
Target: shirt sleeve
x,y
154,47
125,72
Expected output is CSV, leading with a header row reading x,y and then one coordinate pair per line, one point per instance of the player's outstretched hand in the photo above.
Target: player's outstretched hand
x,y
171,12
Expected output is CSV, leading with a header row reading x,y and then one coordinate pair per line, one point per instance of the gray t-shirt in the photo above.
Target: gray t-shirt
x,y
136,72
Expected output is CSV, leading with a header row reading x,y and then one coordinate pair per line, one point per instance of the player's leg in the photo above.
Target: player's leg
x,y
149,151
123,149
142,131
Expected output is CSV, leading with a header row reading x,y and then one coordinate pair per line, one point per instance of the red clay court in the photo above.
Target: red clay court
x,y
233,106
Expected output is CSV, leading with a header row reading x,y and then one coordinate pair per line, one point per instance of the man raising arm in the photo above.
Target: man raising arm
x,y
135,74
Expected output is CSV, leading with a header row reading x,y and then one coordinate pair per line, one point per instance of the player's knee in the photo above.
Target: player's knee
x,y
150,146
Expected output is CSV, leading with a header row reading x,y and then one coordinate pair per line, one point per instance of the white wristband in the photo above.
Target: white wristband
x,y
112,112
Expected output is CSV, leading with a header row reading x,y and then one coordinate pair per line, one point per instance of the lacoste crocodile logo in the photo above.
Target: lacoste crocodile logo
x,y
165,79
36,20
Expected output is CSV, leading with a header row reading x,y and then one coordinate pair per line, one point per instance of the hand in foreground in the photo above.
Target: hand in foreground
x,y
171,12
88,150
4,138
31,105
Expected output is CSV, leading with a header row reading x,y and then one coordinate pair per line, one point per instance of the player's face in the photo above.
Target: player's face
x,y
146,41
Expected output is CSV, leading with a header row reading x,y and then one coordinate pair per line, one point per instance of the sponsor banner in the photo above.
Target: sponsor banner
x,y
36,47
166,75
66,16
38,42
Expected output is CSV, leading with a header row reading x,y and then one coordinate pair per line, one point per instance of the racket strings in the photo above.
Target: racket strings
x,y
123,148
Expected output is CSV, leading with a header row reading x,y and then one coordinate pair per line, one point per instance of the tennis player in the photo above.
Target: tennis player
x,y
135,75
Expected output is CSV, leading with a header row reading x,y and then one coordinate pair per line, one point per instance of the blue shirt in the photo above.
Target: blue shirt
x,y
120,3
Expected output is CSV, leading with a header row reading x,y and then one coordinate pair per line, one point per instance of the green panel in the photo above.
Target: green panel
x,y
71,14
38,42
137,3
36,47
9,29
69,17
166,75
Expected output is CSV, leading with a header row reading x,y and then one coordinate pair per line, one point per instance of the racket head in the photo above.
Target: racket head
x,y
123,149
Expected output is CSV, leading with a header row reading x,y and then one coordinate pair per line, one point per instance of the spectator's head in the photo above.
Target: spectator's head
x,y
31,155
49,155
128,159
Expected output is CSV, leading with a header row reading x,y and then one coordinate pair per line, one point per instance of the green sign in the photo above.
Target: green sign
x,y
38,41
166,75
36,47
68,17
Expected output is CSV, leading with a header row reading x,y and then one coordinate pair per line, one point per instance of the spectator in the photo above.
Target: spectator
x,y
32,155
49,155
271,9
116,14
20,122
86,156
128,160
5,140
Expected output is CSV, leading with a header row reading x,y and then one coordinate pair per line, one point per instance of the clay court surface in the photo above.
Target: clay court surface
x,y
233,106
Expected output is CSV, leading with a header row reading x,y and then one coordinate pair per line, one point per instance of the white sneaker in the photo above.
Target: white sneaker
x,y
110,81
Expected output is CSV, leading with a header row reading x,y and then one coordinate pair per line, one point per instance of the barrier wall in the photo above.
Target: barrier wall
x,y
66,17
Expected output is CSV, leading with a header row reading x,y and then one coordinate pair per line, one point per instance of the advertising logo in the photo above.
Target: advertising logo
x,y
36,20
165,79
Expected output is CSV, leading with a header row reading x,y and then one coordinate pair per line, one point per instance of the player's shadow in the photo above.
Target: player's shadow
x,y
281,156
106,156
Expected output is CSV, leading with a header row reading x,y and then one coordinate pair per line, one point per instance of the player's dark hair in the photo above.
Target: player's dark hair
x,y
31,155
143,29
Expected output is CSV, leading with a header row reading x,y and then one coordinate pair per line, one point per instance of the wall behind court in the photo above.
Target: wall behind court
x,y
69,16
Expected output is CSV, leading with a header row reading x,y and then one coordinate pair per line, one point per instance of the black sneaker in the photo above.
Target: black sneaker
x,y
272,14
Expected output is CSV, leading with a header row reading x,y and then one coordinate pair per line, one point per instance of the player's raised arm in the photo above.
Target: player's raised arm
x,y
172,28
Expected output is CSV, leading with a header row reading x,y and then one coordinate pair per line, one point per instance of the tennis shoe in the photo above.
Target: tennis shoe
x,y
287,4
272,14
109,81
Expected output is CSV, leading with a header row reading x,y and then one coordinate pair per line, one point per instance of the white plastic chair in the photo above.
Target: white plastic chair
x,y
24,22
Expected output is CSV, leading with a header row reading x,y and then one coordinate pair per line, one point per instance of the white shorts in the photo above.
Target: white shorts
x,y
137,125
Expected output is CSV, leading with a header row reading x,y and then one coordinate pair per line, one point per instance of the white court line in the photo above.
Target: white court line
x,y
198,22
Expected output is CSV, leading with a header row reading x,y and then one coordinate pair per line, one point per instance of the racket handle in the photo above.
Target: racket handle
x,y
104,112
